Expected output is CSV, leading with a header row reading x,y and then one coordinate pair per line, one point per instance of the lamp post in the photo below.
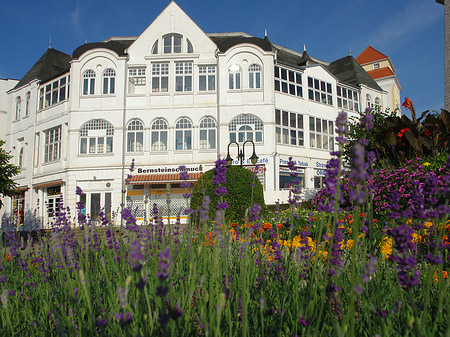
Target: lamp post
x,y
241,153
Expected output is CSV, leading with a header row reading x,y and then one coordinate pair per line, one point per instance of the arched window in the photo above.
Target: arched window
x,y
155,47
208,133
18,107
369,101
21,158
96,136
190,49
234,77
246,127
135,136
254,76
27,104
377,100
183,134
172,43
89,82
109,81
159,135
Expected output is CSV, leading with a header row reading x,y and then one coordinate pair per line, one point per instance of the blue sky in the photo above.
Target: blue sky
x,y
410,32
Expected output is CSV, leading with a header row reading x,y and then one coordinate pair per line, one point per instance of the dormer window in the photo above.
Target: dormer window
x,y
172,44
376,66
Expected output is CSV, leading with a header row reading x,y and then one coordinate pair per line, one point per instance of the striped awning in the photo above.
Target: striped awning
x,y
161,178
48,184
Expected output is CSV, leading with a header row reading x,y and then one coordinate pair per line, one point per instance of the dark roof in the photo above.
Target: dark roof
x,y
225,42
50,65
306,59
117,46
348,70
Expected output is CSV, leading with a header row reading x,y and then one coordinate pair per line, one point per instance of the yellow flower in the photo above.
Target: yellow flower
x,y
386,247
426,164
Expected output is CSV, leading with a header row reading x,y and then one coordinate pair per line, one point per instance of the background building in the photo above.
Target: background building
x,y
169,97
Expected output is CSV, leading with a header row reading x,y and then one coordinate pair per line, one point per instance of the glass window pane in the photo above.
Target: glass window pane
x,y
259,138
139,141
212,139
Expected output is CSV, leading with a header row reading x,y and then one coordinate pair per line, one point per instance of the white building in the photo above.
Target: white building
x,y
169,97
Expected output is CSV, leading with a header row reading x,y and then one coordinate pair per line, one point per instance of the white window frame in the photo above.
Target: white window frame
x,y
18,108
136,78
135,136
96,137
288,81
160,77
254,76
320,91
27,104
207,78
244,125
88,87
347,98
52,145
183,76
234,77
171,47
289,128
54,92
207,135
109,82
321,134
159,135
183,134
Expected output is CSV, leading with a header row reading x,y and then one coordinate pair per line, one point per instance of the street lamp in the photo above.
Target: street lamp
x,y
241,153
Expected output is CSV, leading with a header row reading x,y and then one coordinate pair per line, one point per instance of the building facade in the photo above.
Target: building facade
x,y
169,97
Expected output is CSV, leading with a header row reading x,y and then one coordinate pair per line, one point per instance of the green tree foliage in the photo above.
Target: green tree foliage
x,y
7,172
240,193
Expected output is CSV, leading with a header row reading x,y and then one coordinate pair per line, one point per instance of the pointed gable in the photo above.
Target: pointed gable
x,y
370,54
172,20
50,65
348,70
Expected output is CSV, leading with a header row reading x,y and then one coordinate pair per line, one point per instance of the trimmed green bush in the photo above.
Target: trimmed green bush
x,y
241,194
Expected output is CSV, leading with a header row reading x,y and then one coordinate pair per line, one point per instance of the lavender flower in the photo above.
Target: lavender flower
x,y
342,127
122,297
124,319
367,120
136,256
165,260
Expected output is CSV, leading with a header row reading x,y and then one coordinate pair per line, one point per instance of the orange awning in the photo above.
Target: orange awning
x,y
161,178
21,189
48,184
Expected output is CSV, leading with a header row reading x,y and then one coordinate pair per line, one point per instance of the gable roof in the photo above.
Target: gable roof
x,y
370,54
53,63
225,42
381,73
348,70
117,46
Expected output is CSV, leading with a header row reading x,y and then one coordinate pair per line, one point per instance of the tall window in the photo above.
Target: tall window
x,y
53,93
234,77
246,127
109,82
183,78
207,78
172,44
18,108
289,128
347,99
320,91
135,136
96,136
160,77
207,133
53,201
254,76
21,158
27,104
321,134
288,81
89,82
52,146
183,134
159,135
136,78
377,101
369,101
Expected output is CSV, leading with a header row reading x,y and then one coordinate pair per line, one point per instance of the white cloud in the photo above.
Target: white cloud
x,y
398,29
75,15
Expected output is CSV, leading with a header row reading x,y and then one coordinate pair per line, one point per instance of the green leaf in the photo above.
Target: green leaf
x,y
413,141
445,116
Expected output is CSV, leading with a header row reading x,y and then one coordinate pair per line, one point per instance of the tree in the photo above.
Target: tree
x,y
7,172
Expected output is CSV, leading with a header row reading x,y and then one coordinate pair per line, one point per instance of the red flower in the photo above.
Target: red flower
x,y
427,133
407,103
402,131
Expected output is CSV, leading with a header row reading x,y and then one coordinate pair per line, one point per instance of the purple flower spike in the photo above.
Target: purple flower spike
x,y
165,260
